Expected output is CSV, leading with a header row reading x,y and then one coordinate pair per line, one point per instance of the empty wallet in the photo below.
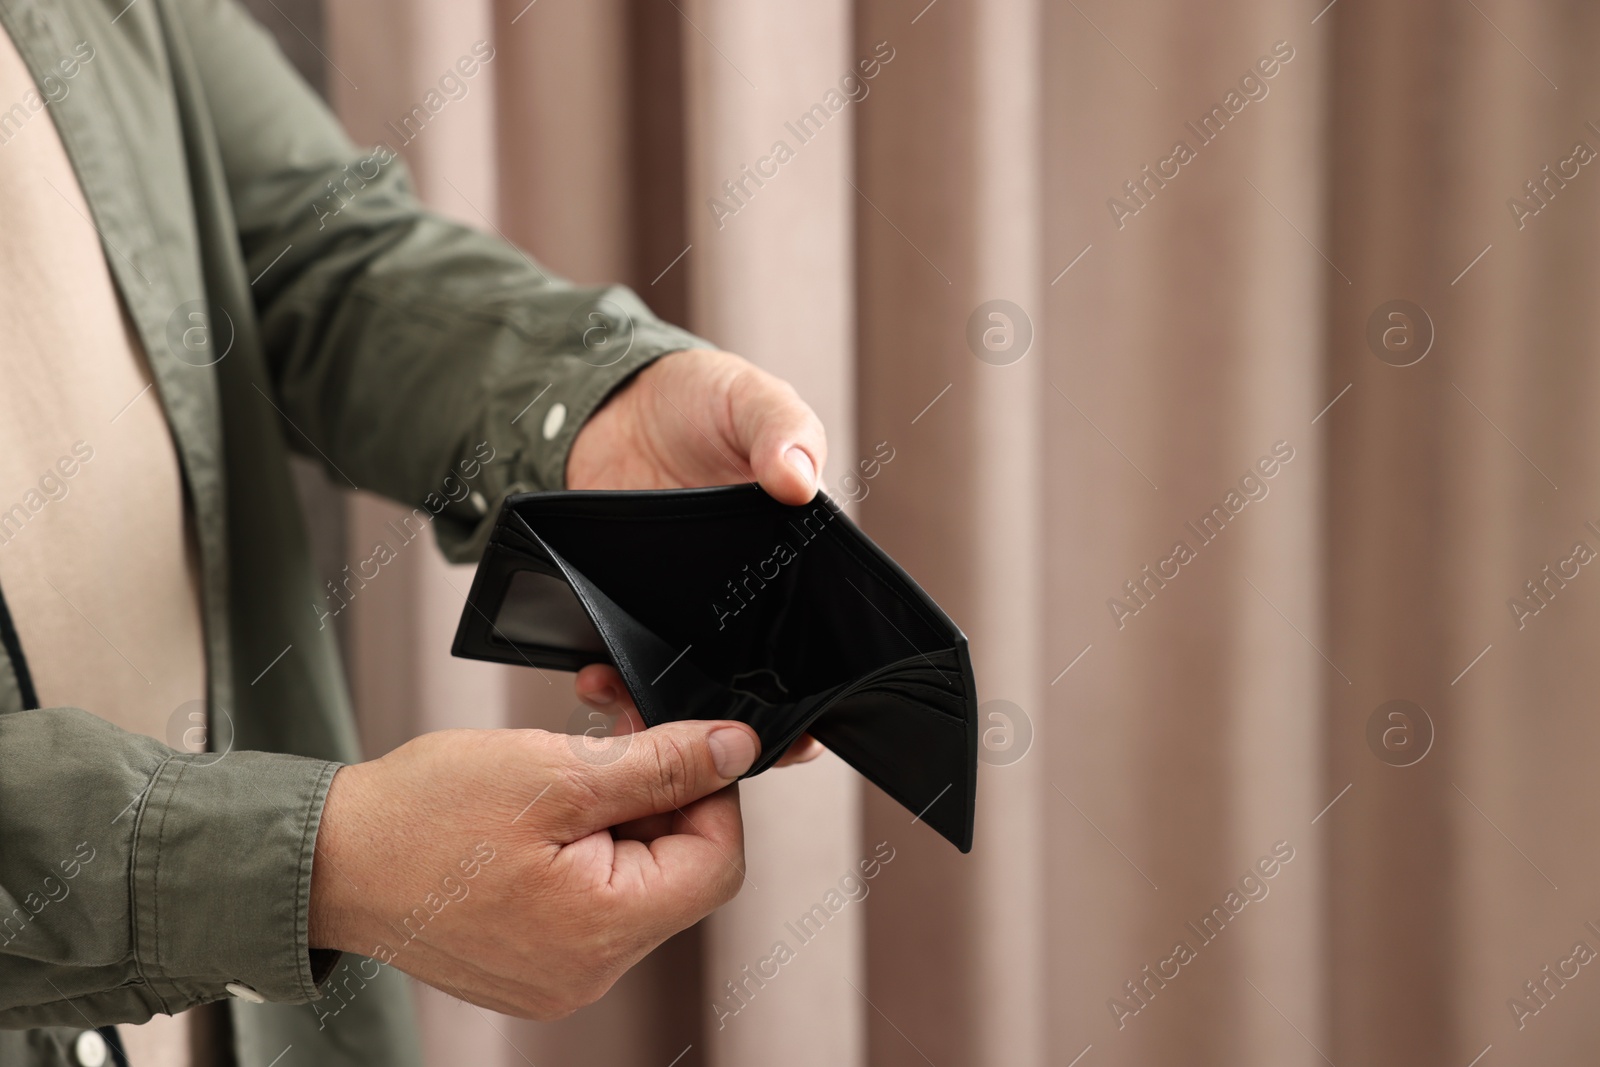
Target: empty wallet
x,y
722,603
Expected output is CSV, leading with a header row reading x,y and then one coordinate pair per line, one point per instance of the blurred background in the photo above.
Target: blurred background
x,y
1305,288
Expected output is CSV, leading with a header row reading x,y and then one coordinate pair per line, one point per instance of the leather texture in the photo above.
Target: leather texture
x,y
722,603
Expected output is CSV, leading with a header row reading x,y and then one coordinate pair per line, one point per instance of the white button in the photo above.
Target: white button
x,y
479,504
244,992
553,421
91,1049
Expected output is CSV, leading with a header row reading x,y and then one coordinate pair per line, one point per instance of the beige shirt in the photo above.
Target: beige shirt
x,y
97,560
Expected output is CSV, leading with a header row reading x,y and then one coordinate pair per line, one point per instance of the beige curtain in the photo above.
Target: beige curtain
x,y
1205,834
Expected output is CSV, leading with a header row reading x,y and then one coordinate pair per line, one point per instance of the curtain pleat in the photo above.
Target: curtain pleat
x,y
1454,483
1186,352
769,272
948,218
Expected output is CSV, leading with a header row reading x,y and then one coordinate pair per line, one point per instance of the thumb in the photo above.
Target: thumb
x,y
782,438
663,769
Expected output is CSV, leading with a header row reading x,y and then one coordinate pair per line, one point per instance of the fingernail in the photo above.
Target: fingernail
x,y
801,462
733,751
604,696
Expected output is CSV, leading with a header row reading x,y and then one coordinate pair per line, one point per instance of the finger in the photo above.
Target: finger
x,y
716,817
682,821
681,877
804,750
600,686
662,769
646,829
629,721
780,436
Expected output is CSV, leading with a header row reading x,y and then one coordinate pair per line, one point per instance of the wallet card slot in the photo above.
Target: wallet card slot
x,y
910,679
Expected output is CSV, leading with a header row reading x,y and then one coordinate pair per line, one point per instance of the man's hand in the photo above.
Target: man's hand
x,y
600,685
699,418
690,419
482,863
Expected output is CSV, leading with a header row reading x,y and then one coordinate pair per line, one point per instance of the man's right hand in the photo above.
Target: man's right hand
x,y
484,862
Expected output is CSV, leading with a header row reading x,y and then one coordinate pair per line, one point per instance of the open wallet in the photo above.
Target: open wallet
x,y
722,603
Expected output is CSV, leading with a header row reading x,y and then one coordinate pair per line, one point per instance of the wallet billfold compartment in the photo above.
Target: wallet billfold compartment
x,y
723,603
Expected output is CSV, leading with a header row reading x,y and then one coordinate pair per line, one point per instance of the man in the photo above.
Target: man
x,y
179,306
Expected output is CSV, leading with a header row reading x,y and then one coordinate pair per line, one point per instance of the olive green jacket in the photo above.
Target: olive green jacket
x,y
291,294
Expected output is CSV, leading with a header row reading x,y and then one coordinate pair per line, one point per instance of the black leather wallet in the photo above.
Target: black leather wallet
x,y
722,603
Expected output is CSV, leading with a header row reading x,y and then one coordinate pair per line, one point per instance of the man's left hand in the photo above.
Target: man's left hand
x,y
698,418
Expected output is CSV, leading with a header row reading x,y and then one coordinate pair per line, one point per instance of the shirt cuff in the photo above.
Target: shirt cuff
x,y
523,445
221,876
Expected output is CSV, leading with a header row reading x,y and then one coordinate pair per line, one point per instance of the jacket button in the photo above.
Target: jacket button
x,y
244,992
90,1049
554,420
